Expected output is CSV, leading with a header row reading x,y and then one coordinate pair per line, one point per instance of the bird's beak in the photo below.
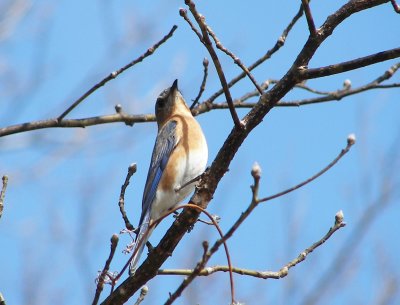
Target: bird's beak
x,y
174,85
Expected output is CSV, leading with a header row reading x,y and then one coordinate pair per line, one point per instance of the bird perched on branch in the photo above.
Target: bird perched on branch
x,y
179,155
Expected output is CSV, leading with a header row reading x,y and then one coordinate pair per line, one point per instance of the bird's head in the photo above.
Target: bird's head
x,y
168,103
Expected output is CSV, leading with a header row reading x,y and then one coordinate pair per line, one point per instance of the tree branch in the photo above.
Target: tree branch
x,y
350,142
114,74
349,65
121,202
310,20
236,59
3,194
205,39
283,272
396,7
101,280
278,44
203,84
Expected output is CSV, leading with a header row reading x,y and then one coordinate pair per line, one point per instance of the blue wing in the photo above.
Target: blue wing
x,y
163,147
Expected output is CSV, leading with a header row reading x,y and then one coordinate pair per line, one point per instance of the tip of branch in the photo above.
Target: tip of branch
x,y
347,84
118,108
256,171
351,139
114,239
339,218
132,168
182,12
144,290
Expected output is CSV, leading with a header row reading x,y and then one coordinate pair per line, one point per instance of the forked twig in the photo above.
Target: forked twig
x,y
278,44
205,40
236,59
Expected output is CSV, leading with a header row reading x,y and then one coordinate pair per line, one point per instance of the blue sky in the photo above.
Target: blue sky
x,y
61,202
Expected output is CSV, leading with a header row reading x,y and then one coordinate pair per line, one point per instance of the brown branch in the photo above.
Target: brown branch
x,y
101,280
350,142
183,13
349,65
3,194
330,96
283,272
310,20
278,44
114,74
396,7
203,84
205,40
121,202
73,123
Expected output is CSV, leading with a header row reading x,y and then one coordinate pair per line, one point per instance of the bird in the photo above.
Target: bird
x,y
179,156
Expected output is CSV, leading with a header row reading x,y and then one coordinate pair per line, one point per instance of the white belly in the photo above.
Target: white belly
x,y
192,168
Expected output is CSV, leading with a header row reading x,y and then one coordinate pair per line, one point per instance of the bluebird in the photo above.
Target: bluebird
x,y
179,155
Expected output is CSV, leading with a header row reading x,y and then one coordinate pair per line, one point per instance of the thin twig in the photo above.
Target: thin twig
x,y
3,193
236,59
349,65
309,17
350,143
278,44
114,74
203,84
121,202
102,277
395,6
205,39
284,271
183,14
143,293
190,276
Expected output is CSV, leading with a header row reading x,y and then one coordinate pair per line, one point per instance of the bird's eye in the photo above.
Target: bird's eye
x,y
160,102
